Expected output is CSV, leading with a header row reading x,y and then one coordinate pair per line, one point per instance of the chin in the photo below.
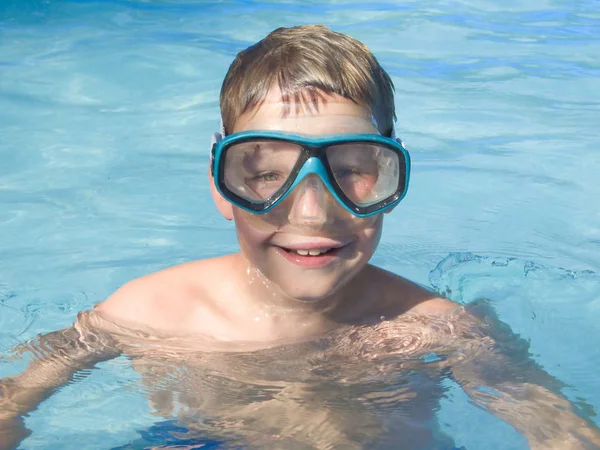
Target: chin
x,y
306,291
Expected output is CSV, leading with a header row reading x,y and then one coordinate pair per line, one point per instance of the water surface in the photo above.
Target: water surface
x,y
107,109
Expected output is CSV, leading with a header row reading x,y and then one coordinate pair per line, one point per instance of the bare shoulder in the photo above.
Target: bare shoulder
x,y
434,306
166,300
412,296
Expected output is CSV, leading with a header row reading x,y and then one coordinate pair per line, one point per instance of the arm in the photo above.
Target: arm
x,y
497,372
57,356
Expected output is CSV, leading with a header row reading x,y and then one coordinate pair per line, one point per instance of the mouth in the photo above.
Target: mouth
x,y
312,254
309,252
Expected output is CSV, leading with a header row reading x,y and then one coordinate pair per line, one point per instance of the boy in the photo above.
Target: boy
x,y
306,164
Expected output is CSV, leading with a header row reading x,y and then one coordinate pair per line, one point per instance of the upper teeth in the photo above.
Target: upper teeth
x,y
312,252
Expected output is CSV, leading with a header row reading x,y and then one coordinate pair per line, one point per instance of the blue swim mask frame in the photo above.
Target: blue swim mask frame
x,y
312,160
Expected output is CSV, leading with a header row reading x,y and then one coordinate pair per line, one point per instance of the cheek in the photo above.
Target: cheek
x,y
261,227
371,233
359,188
251,230
362,189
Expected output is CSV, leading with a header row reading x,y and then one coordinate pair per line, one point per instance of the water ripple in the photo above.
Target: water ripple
x,y
108,110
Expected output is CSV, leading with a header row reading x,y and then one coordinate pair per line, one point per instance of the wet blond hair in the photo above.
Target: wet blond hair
x,y
307,63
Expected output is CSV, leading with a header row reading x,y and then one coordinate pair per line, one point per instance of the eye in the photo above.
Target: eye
x,y
342,172
268,176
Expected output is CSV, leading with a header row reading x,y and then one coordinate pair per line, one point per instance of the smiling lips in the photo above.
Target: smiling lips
x,y
312,254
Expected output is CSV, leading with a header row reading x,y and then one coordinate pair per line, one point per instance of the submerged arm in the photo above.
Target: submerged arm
x,y
497,372
58,356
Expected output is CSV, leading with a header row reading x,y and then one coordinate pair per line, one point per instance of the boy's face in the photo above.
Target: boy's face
x,y
308,246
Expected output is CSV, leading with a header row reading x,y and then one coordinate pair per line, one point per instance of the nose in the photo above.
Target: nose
x,y
310,202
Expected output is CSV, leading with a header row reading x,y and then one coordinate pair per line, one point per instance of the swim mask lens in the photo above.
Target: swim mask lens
x,y
366,173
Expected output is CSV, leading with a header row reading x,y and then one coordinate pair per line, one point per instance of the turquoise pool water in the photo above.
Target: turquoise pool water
x,y
106,113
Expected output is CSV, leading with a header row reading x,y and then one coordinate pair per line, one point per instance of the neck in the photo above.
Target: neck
x,y
273,309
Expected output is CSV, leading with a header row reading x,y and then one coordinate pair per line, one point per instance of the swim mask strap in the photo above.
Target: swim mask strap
x,y
392,134
396,138
215,139
218,136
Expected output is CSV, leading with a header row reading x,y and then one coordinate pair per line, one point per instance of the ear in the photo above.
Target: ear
x,y
224,207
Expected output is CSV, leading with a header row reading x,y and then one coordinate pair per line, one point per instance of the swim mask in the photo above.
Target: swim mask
x,y
257,169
